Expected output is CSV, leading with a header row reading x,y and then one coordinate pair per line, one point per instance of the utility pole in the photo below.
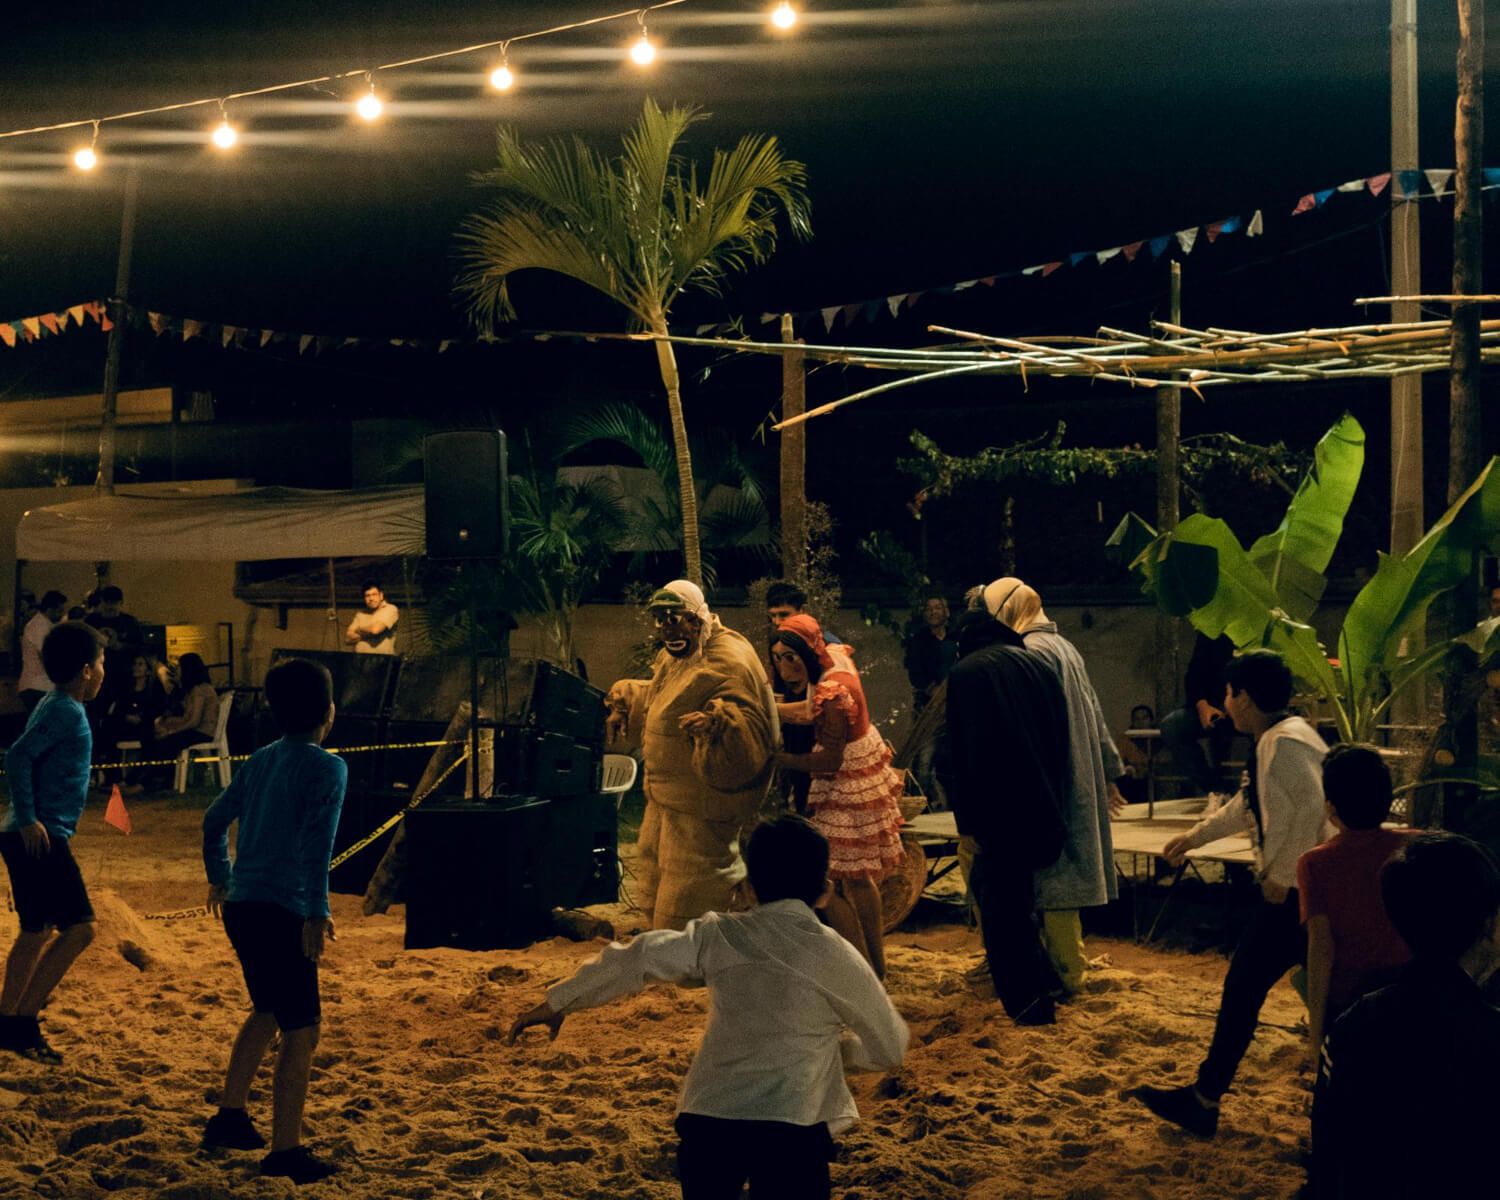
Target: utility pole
x,y
793,459
104,484
1408,522
1168,489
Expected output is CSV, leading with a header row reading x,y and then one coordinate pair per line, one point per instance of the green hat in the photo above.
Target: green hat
x,y
667,598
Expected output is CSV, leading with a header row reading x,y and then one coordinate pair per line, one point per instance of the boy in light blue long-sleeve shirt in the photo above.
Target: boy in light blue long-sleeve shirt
x,y
274,903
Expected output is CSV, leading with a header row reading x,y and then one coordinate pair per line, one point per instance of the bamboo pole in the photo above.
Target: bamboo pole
x,y
1168,491
1468,252
793,460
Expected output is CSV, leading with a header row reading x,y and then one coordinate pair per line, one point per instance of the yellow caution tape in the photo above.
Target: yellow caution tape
x,y
234,758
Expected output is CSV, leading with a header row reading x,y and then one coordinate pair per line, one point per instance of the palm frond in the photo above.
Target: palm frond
x,y
628,426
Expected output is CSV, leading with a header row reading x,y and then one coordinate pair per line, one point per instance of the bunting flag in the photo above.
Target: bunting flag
x,y
115,812
1437,181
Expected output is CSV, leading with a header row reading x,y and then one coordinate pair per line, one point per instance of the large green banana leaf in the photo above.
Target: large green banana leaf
x,y
1294,556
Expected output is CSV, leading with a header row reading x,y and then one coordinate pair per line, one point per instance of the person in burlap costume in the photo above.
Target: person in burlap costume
x,y
706,725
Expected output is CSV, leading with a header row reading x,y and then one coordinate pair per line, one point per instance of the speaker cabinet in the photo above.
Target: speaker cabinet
x,y
477,875
464,479
543,764
363,812
366,766
404,766
361,682
540,694
585,864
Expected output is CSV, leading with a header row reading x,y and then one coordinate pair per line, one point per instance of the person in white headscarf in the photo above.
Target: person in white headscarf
x,y
1084,874
706,725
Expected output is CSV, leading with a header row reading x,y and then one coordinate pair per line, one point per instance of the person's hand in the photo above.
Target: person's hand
x,y
699,724
215,902
314,931
1115,801
1208,715
617,723
1175,851
34,838
1274,893
542,1014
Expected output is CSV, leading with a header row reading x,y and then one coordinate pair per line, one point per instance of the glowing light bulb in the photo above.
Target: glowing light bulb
x,y
502,78
783,16
225,135
643,53
369,106
85,159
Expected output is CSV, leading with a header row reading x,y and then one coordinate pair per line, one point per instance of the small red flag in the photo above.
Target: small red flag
x,y
115,813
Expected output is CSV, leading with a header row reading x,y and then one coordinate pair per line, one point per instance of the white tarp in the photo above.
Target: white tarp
x,y
254,523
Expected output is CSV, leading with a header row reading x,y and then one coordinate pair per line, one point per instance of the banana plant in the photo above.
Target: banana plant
x,y
1267,595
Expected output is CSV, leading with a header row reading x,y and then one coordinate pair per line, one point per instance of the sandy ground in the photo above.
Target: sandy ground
x,y
416,1094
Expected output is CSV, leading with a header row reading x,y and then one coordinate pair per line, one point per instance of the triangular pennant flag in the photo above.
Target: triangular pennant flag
x,y
965,285
105,323
1377,183
443,345
227,335
76,312
326,341
158,323
830,314
349,341
1322,197
850,312
191,328
7,334
912,298
1492,176
1077,257
1160,244
1186,238
988,281
1105,255
1048,268
894,303
1131,250
1213,230
1438,180
115,812
33,327
870,309
1229,225
1033,270
1408,184
1306,204
703,329
49,322
265,337
1354,185
1257,225
304,342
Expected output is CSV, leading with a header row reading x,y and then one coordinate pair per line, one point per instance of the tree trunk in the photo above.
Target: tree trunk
x,y
793,461
1468,246
666,360
1168,492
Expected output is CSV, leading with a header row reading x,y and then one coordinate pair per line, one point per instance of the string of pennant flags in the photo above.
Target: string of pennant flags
x,y
1407,185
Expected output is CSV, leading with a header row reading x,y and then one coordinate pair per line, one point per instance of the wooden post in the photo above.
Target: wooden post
x,y
793,460
1408,522
1468,251
104,483
1168,489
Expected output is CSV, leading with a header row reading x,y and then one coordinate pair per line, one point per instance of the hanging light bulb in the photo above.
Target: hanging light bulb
x,y
643,53
502,78
225,135
369,107
783,16
85,158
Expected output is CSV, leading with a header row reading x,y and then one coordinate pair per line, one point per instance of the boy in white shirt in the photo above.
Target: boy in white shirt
x,y
792,1003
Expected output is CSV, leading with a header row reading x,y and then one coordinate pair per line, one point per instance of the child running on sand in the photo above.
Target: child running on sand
x,y
48,768
788,995
274,903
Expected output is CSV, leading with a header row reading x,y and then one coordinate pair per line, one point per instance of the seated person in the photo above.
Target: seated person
x,y
132,711
1202,716
199,719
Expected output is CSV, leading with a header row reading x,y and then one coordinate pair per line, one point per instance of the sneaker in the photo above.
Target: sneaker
x,y
25,1038
230,1128
299,1164
1181,1106
1041,1011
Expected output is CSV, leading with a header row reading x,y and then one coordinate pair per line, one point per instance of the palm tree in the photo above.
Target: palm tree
x,y
638,228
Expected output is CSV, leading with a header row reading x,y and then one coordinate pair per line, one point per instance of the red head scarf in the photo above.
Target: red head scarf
x,y
810,632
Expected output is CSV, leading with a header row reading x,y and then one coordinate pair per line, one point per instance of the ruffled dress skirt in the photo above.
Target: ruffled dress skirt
x,y
858,810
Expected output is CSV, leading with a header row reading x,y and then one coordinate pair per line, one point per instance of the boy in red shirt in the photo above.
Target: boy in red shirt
x,y
1352,947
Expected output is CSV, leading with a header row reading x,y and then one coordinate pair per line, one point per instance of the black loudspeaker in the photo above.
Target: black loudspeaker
x,y
366,766
431,687
585,866
361,682
464,478
528,762
544,696
363,812
477,875
406,760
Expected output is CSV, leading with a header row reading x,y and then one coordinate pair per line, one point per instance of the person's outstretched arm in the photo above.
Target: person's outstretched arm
x,y
20,763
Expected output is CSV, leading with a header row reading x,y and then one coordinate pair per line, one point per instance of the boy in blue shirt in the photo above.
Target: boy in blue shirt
x,y
274,903
48,767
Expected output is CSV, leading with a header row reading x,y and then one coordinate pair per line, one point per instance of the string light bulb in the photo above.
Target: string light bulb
x,y
783,16
225,135
369,107
86,158
502,78
643,53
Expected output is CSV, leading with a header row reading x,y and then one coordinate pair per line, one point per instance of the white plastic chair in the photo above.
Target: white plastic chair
x,y
218,747
619,776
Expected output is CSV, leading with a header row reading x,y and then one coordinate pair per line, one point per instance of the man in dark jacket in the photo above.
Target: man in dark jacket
x,y
1005,762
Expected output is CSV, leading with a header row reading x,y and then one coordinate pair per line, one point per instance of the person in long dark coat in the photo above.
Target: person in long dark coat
x,y
1005,760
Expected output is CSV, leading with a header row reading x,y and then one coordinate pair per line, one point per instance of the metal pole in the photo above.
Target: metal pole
x,y
1407,518
105,482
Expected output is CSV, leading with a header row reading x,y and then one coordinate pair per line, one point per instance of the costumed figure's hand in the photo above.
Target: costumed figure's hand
x,y
617,723
215,901
34,838
700,724
542,1014
1175,851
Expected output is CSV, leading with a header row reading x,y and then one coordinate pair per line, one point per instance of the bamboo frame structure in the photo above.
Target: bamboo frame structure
x,y
1171,356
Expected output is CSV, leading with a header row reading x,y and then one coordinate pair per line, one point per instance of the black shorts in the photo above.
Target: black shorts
x,y
47,891
282,980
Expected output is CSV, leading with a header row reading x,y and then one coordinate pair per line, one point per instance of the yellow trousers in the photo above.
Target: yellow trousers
x,y
1062,935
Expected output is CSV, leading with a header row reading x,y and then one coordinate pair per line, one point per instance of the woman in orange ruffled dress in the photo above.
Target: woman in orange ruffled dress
x,y
854,797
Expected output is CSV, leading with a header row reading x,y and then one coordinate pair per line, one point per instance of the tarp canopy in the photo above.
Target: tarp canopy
x,y
254,523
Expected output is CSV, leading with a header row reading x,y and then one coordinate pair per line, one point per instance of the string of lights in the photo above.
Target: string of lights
x,y
225,135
